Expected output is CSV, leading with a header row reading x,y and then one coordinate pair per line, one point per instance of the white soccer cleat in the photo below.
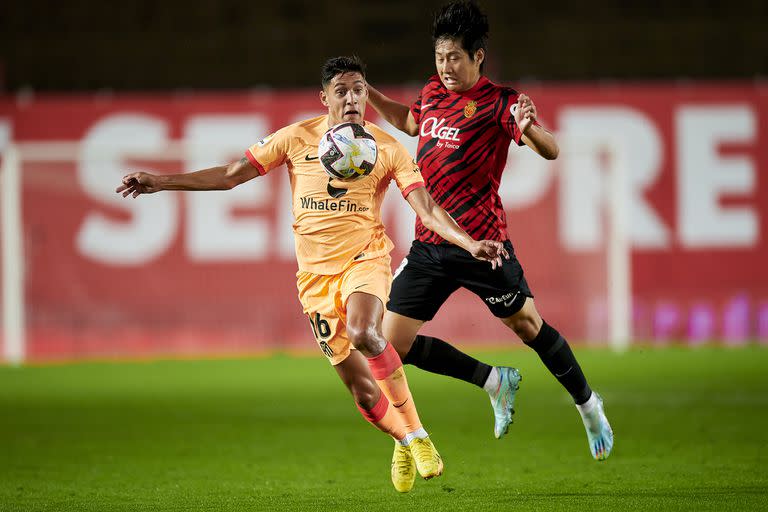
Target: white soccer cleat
x,y
503,399
599,433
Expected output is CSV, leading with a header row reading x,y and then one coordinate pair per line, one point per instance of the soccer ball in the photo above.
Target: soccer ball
x,y
347,152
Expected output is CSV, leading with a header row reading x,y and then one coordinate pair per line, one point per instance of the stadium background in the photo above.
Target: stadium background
x,y
673,93
647,89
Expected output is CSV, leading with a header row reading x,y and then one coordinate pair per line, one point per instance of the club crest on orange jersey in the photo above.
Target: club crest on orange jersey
x,y
265,140
470,109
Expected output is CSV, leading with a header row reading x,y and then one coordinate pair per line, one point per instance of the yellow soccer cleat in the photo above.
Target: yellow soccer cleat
x,y
428,461
403,468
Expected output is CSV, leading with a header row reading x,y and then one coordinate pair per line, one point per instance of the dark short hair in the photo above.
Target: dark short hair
x,y
465,22
336,65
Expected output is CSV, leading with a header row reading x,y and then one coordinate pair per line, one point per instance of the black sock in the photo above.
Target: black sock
x,y
436,356
557,356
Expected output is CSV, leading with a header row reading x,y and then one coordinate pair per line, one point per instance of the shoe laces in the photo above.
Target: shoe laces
x,y
424,452
401,461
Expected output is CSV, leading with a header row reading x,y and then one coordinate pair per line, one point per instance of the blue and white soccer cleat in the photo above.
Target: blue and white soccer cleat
x,y
503,399
599,433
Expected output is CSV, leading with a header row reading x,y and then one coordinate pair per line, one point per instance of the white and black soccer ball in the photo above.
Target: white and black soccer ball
x,y
347,151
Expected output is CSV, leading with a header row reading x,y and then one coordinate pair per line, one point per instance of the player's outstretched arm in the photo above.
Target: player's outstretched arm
x,y
223,177
535,136
396,114
436,219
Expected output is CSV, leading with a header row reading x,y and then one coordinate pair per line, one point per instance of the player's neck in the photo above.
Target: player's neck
x,y
470,87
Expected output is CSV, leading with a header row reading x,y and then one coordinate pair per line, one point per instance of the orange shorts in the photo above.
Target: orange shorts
x,y
324,299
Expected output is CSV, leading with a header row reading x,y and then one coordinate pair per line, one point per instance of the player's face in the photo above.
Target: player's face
x,y
345,96
457,71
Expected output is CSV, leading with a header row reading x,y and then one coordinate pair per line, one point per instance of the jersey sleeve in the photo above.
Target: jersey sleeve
x,y
506,106
416,108
269,152
405,171
432,85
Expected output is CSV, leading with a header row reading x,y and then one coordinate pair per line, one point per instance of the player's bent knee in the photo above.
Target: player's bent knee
x,y
402,345
525,325
365,339
366,399
526,330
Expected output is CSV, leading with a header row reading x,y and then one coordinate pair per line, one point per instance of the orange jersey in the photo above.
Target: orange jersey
x,y
330,233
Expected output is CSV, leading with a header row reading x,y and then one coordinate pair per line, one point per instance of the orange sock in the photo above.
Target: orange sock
x,y
385,418
388,371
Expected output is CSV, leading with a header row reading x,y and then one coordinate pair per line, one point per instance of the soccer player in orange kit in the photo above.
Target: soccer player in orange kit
x,y
342,250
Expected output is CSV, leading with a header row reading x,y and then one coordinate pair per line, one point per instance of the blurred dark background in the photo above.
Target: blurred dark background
x,y
149,45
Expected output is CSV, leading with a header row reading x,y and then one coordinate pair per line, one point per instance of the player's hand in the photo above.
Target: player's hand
x,y
138,183
525,113
490,251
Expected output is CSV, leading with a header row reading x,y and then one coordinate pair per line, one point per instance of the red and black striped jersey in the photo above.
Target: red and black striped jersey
x,y
463,143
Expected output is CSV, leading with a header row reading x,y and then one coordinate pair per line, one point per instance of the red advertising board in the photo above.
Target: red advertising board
x,y
213,273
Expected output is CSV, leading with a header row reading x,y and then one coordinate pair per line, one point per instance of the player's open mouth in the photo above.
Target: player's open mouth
x,y
351,113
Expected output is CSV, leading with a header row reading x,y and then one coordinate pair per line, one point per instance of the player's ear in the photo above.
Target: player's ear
x,y
479,56
323,98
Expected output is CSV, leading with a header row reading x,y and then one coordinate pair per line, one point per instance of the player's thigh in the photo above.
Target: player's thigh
x,y
421,284
364,291
320,298
372,277
503,290
364,312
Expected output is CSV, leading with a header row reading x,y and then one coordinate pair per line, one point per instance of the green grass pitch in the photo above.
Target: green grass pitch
x,y
281,433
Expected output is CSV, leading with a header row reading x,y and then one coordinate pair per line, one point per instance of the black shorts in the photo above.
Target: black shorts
x,y
430,273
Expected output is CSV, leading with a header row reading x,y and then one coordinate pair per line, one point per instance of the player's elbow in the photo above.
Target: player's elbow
x,y
552,153
229,183
410,127
428,221
548,149
233,176
403,125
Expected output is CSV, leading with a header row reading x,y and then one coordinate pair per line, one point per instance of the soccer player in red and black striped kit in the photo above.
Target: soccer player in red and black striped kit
x,y
465,124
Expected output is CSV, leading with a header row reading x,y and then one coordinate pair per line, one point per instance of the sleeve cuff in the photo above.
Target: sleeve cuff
x,y
255,163
412,187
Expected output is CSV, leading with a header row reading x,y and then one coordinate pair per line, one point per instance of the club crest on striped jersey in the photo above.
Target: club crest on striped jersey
x,y
470,109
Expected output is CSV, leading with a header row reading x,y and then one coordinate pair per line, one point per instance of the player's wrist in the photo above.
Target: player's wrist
x,y
162,182
528,126
473,247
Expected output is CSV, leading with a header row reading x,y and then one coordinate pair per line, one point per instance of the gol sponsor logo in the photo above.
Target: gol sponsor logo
x,y
434,128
